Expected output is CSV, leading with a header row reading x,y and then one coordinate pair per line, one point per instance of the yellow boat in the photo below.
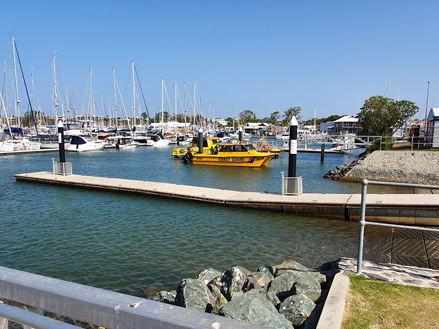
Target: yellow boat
x,y
230,154
208,142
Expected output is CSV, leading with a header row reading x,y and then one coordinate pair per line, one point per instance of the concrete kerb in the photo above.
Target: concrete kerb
x,y
332,313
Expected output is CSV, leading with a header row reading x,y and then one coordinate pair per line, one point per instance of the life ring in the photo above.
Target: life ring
x,y
266,147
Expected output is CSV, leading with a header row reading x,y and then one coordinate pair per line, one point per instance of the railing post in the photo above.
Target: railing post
x,y
362,223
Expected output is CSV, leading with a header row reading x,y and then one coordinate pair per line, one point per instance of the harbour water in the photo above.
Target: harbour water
x,y
140,245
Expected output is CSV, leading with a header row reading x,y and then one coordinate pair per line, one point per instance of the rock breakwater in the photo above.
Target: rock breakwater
x,y
288,295
419,167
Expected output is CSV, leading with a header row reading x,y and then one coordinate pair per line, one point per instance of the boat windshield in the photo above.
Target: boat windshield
x,y
236,148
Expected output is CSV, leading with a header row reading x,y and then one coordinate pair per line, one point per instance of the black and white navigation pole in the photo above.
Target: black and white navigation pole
x,y
292,159
240,135
62,151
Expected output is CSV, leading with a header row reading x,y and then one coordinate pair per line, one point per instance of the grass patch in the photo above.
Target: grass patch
x,y
378,304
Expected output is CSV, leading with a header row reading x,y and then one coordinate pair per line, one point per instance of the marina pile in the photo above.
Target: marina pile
x,y
281,296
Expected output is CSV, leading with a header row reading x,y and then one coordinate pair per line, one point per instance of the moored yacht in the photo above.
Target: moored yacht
x,y
84,144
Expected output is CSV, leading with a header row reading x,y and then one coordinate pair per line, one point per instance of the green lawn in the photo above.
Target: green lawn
x,y
377,304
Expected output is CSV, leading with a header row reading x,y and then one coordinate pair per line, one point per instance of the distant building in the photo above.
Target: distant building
x,y
326,126
256,127
222,122
433,128
345,125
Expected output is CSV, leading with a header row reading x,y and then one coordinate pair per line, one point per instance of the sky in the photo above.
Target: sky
x,y
327,57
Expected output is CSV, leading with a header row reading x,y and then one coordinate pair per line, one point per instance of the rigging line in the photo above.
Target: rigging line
x,y
27,91
141,90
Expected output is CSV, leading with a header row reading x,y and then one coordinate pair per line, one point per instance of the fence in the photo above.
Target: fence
x,y
61,168
42,302
363,222
291,185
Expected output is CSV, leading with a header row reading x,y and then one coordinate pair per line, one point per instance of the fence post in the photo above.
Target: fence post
x,y
362,223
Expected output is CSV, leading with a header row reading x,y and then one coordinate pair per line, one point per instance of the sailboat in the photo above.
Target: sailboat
x,y
20,143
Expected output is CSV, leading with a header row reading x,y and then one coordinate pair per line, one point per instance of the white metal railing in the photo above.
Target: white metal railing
x,y
363,222
36,296
61,168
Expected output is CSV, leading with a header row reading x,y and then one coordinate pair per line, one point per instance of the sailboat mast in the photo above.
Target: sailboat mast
x,y
163,104
90,102
75,110
175,105
134,97
68,106
17,101
6,114
55,94
115,99
184,100
195,100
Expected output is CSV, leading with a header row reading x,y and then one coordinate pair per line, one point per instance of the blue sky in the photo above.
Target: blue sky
x,y
264,56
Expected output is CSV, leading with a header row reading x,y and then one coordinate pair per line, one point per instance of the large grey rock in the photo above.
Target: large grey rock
x,y
194,294
258,281
293,282
272,297
289,265
283,285
269,270
307,284
220,300
167,297
231,282
208,275
255,308
297,308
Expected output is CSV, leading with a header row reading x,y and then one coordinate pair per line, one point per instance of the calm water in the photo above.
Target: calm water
x,y
139,245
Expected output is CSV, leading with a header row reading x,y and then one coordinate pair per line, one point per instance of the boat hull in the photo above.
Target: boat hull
x,y
235,161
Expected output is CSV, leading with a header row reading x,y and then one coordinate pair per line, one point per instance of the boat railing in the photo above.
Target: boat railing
x,y
363,221
61,168
36,301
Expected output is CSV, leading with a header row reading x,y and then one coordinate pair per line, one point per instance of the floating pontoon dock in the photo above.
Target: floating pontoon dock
x,y
410,209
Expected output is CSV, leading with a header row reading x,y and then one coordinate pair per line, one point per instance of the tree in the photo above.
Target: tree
x,y
381,116
158,116
247,116
292,111
274,117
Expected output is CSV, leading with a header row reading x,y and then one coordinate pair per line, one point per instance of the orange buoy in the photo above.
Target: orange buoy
x,y
266,147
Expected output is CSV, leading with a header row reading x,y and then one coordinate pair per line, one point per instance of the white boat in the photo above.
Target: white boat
x,y
24,144
142,139
125,143
161,143
84,144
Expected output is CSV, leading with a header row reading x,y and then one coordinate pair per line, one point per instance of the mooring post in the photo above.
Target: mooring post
x,y
292,159
200,141
240,135
322,153
62,151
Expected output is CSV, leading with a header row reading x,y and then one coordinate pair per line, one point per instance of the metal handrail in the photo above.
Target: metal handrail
x,y
94,306
363,222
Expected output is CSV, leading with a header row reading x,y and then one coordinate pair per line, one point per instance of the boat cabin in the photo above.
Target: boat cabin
x,y
235,147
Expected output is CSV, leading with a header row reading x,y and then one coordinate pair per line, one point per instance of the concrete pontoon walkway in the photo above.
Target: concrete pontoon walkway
x,y
419,209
